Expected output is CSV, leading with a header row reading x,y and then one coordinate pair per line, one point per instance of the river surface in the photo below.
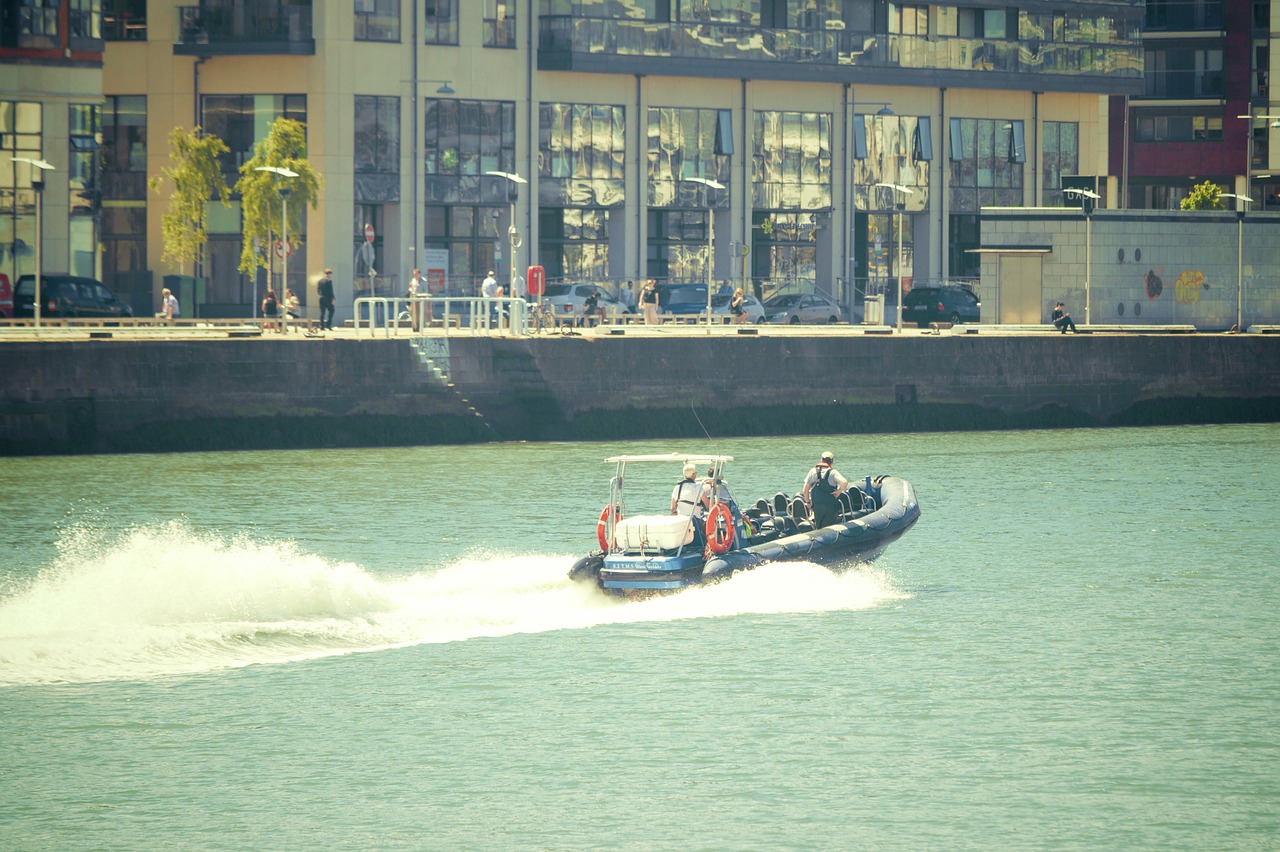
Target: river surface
x,y
1077,647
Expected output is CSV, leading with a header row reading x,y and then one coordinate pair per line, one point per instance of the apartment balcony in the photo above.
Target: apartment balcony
x,y
244,28
573,43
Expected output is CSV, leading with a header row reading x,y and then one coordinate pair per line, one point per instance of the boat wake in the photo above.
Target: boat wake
x,y
166,600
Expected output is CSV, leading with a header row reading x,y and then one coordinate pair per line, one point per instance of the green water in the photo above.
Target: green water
x,y
1075,648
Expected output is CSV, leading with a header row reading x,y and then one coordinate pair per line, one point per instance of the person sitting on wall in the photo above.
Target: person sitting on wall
x,y
1062,319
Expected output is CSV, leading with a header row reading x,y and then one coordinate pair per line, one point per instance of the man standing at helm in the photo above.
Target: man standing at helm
x,y
822,489
691,499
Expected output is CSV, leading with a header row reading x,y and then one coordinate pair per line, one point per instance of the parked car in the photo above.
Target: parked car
x,y
683,299
67,296
755,310
6,297
566,300
795,308
945,303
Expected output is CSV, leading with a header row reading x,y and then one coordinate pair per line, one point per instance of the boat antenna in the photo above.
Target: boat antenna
x,y
699,419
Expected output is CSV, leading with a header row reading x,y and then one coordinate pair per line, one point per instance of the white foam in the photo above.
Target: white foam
x,y
165,600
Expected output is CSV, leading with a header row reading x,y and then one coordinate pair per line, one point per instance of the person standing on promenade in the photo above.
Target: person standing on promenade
x,y
822,489
417,287
738,307
1062,319
270,309
325,290
649,302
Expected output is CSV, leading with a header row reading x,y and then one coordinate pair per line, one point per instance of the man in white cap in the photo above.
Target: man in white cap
x,y
822,489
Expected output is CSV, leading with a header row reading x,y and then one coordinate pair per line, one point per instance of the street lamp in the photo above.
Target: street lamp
x,y
900,206
1240,211
38,168
513,233
711,237
1248,148
1087,198
283,192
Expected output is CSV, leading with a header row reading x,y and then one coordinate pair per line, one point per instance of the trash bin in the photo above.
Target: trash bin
x,y
873,310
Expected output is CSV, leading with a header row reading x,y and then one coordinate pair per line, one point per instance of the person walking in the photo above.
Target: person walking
x,y
324,290
270,309
417,288
1062,319
649,302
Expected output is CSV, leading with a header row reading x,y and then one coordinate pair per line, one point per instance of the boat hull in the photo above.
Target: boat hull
x,y
838,547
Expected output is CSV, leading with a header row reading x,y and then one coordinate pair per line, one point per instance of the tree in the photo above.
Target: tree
x,y
284,147
196,178
1204,196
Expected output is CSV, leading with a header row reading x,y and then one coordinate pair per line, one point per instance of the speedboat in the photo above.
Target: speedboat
x,y
645,554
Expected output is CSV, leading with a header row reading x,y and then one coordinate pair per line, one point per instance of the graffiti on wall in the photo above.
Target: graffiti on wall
x,y
1154,283
1186,290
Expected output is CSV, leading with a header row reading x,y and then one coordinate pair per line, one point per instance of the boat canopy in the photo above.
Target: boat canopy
x,y
696,458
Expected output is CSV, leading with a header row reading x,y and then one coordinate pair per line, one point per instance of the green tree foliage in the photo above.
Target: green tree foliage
x,y
284,147
196,177
1204,196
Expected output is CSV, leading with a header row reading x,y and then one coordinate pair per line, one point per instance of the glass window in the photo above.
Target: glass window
x,y
242,120
682,143
377,134
37,23
377,20
499,23
441,22
581,154
21,135
1060,155
791,160
84,19
986,171
124,20
124,147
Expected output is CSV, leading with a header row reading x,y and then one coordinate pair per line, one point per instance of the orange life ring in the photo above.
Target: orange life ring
x,y
602,526
720,536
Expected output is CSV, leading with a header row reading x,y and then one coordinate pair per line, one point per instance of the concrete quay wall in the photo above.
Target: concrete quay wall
x,y
172,395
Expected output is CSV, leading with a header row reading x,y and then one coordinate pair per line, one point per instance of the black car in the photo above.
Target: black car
x,y
946,303
67,296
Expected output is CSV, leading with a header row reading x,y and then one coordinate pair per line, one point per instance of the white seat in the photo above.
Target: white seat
x,y
653,532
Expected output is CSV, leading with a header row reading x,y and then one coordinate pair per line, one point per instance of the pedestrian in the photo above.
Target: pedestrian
x,y
324,289
649,302
292,307
822,489
417,288
590,306
169,304
270,309
738,306
1062,319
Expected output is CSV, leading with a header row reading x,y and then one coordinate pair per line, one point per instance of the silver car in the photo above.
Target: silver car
x,y
795,308
566,300
755,310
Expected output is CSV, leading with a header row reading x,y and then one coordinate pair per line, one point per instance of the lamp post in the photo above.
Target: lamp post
x,y
283,192
711,237
38,168
1248,147
513,233
900,206
1240,211
1087,198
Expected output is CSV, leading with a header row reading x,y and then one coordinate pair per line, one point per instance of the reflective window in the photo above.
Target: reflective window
x,y
1175,125
441,22
124,147
986,164
684,143
377,20
21,135
573,243
242,120
499,23
791,163
581,155
84,19
892,149
463,139
1060,155
124,20
377,148
37,22
1184,72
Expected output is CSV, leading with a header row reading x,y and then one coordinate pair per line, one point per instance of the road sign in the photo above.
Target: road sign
x,y
368,233
283,249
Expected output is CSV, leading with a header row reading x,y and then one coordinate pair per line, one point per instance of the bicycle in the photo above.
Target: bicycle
x,y
542,318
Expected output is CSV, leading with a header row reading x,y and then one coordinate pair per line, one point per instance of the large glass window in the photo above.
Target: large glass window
x,y
1176,125
987,163
37,22
377,148
684,143
124,20
1060,155
84,19
124,189
791,164
377,20
242,120
441,22
574,243
21,135
891,149
1183,72
499,23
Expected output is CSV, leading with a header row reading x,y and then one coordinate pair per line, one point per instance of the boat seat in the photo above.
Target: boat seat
x,y
653,532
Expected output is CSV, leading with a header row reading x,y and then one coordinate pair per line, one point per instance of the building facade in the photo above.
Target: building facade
x,y
828,145
1206,111
50,111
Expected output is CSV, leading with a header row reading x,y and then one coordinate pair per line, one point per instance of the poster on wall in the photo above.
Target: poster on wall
x,y
435,268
